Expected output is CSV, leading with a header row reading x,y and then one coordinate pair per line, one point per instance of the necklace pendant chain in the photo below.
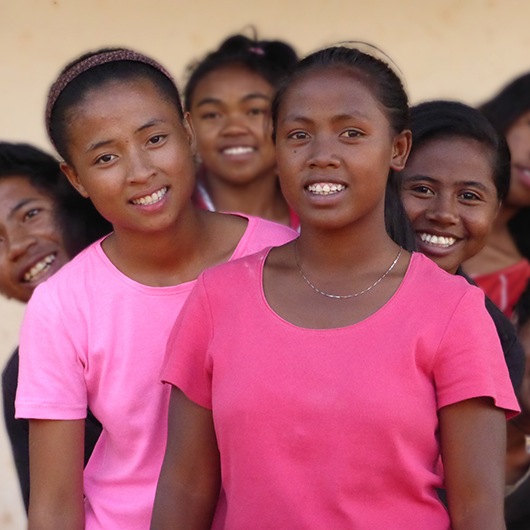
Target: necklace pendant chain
x,y
340,296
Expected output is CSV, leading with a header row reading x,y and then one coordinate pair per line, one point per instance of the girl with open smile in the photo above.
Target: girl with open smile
x,y
326,395
229,95
95,333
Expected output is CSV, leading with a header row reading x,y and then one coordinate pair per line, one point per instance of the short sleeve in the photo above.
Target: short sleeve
x,y
51,382
469,362
188,364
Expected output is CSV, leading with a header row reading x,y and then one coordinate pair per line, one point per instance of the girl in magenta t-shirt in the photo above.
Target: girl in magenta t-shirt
x,y
320,382
95,333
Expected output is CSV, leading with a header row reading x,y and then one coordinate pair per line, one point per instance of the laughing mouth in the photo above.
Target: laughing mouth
x,y
151,199
232,151
437,241
39,269
325,188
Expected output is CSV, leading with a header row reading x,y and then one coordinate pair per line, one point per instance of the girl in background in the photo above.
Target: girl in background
x,y
320,381
455,181
502,268
95,333
44,223
228,95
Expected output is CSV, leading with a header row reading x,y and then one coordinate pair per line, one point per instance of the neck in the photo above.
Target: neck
x,y
261,197
162,258
358,246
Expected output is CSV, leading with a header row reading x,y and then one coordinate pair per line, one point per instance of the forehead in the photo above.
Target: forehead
x,y
330,91
452,160
234,80
18,186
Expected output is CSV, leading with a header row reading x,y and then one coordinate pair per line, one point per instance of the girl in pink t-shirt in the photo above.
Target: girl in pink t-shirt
x,y
95,333
320,382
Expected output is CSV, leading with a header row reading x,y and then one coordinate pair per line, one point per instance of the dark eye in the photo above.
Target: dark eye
x,y
298,135
351,133
256,112
105,159
469,196
156,139
422,190
209,115
31,213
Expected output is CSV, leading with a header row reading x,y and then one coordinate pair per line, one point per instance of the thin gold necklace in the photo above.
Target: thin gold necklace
x,y
341,296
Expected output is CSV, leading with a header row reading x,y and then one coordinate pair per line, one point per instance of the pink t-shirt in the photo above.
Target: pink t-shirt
x,y
321,429
92,336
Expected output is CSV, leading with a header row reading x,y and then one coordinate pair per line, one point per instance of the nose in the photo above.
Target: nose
x,y
323,154
19,241
443,211
141,167
235,125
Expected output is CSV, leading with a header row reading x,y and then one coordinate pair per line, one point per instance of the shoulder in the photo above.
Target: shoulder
x,y
234,275
261,233
426,276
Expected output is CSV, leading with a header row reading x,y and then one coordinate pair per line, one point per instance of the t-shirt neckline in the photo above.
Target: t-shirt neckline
x,y
181,287
404,282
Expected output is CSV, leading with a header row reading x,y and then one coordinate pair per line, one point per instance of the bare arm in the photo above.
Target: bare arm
x,y
473,444
188,487
56,449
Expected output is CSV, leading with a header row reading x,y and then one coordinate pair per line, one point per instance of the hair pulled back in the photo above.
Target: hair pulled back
x,y
94,70
272,60
77,219
449,119
377,74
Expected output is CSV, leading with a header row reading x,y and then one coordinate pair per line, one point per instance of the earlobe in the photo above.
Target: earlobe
x,y
401,150
72,176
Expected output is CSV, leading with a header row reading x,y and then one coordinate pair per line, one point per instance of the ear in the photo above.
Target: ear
x,y
190,133
71,173
401,150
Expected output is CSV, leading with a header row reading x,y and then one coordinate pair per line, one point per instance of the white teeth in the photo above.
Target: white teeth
x,y
439,241
238,150
151,199
325,188
39,268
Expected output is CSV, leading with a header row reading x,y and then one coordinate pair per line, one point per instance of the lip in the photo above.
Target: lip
x,y
149,193
238,151
42,275
434,249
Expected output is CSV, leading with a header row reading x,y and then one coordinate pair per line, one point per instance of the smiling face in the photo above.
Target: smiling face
x,y
31,246
518,138
451,199
335,147
230,112
132,155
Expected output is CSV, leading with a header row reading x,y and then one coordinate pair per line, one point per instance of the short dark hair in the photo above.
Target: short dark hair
x,y
96,77
77,219
272,60
386,84
449,119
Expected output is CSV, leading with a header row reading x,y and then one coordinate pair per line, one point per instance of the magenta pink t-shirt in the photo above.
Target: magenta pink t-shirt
x,y
92,336
333,429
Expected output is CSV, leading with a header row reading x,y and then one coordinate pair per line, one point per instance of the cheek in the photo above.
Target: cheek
x,y
415,208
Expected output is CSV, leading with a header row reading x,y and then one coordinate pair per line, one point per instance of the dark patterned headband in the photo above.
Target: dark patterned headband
x,y
90,62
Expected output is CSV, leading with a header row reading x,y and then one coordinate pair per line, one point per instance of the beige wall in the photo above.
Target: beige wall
x,y
459,49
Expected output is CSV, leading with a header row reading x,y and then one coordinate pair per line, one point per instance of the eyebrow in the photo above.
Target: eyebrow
x,y
217,101
104,143
468,183
336,118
